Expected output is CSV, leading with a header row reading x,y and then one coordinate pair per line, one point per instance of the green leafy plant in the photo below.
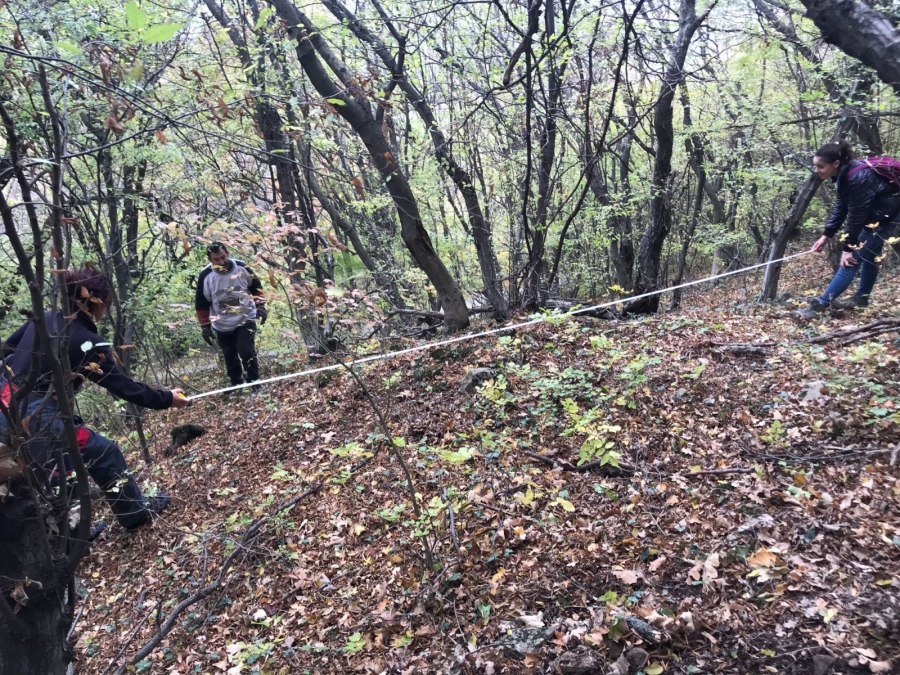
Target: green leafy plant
x,y
599,444
355,644
775,435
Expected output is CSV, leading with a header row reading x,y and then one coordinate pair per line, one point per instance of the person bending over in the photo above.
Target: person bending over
x,y
867,205
91,359
229,301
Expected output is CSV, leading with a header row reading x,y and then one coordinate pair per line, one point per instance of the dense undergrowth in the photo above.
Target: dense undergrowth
x,y
752,519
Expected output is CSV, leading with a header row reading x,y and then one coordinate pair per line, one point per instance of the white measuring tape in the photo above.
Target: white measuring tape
x,y
492,331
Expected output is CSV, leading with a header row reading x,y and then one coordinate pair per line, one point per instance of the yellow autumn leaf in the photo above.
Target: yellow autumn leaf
x,y
654,669
565,503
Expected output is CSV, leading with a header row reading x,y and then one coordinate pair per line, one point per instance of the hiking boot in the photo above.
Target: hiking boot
x,y
853,302
153,508
813,309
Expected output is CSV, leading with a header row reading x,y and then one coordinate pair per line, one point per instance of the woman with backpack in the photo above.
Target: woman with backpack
x,y
867,204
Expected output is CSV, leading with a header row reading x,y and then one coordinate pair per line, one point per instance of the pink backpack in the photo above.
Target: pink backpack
x,y
886,167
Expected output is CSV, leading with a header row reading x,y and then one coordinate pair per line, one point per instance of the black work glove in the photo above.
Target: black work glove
x,y
262,314
208,337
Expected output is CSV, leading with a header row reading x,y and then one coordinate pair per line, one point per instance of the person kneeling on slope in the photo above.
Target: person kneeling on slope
x,y
90,358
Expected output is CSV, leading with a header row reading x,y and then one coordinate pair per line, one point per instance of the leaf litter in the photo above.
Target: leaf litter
x,y
794,557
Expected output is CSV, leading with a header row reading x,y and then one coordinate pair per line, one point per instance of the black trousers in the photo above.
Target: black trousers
x,y
102,457
239,347
107,467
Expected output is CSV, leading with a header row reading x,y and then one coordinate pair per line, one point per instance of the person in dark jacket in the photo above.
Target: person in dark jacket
x,y
90,358
867,206
229,301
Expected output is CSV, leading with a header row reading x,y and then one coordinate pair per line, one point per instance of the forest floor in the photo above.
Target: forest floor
x,y
753,527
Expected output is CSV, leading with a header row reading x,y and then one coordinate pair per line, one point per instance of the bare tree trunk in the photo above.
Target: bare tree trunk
x,y
354,107
32,642
478,224
534,295
621,248
650,250
694,145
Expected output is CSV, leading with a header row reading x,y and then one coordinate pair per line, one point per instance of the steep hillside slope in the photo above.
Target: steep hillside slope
x,y
752,524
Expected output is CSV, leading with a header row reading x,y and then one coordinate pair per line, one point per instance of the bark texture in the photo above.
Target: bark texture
x,y
355,108
861,32
653,238
32,640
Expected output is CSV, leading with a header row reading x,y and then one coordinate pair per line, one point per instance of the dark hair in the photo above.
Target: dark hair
x,y
834,151
87,283
215,247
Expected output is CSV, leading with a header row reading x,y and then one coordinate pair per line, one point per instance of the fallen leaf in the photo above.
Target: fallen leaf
x,y
762,558
626,576
656,564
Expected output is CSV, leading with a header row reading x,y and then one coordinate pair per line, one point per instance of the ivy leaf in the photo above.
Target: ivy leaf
x,y
161,32
135,15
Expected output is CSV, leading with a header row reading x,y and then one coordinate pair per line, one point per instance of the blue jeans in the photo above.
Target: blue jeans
x,y
102,457
871,242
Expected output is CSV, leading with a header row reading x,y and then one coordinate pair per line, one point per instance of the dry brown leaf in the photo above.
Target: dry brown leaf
x,y
656,564
357,184
709,567
336,243
762,558
626,576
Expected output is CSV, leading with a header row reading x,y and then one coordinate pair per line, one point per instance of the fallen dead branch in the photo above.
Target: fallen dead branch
x,y
850,334
735,348
207,590
453,536
719,472
590,466
844,336
604,313
839,454
436,317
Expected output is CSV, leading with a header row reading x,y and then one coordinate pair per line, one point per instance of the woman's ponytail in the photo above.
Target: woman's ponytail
x,y
834,151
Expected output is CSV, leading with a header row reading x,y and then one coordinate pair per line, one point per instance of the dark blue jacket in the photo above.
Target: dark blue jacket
x,y
862,199
89,355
